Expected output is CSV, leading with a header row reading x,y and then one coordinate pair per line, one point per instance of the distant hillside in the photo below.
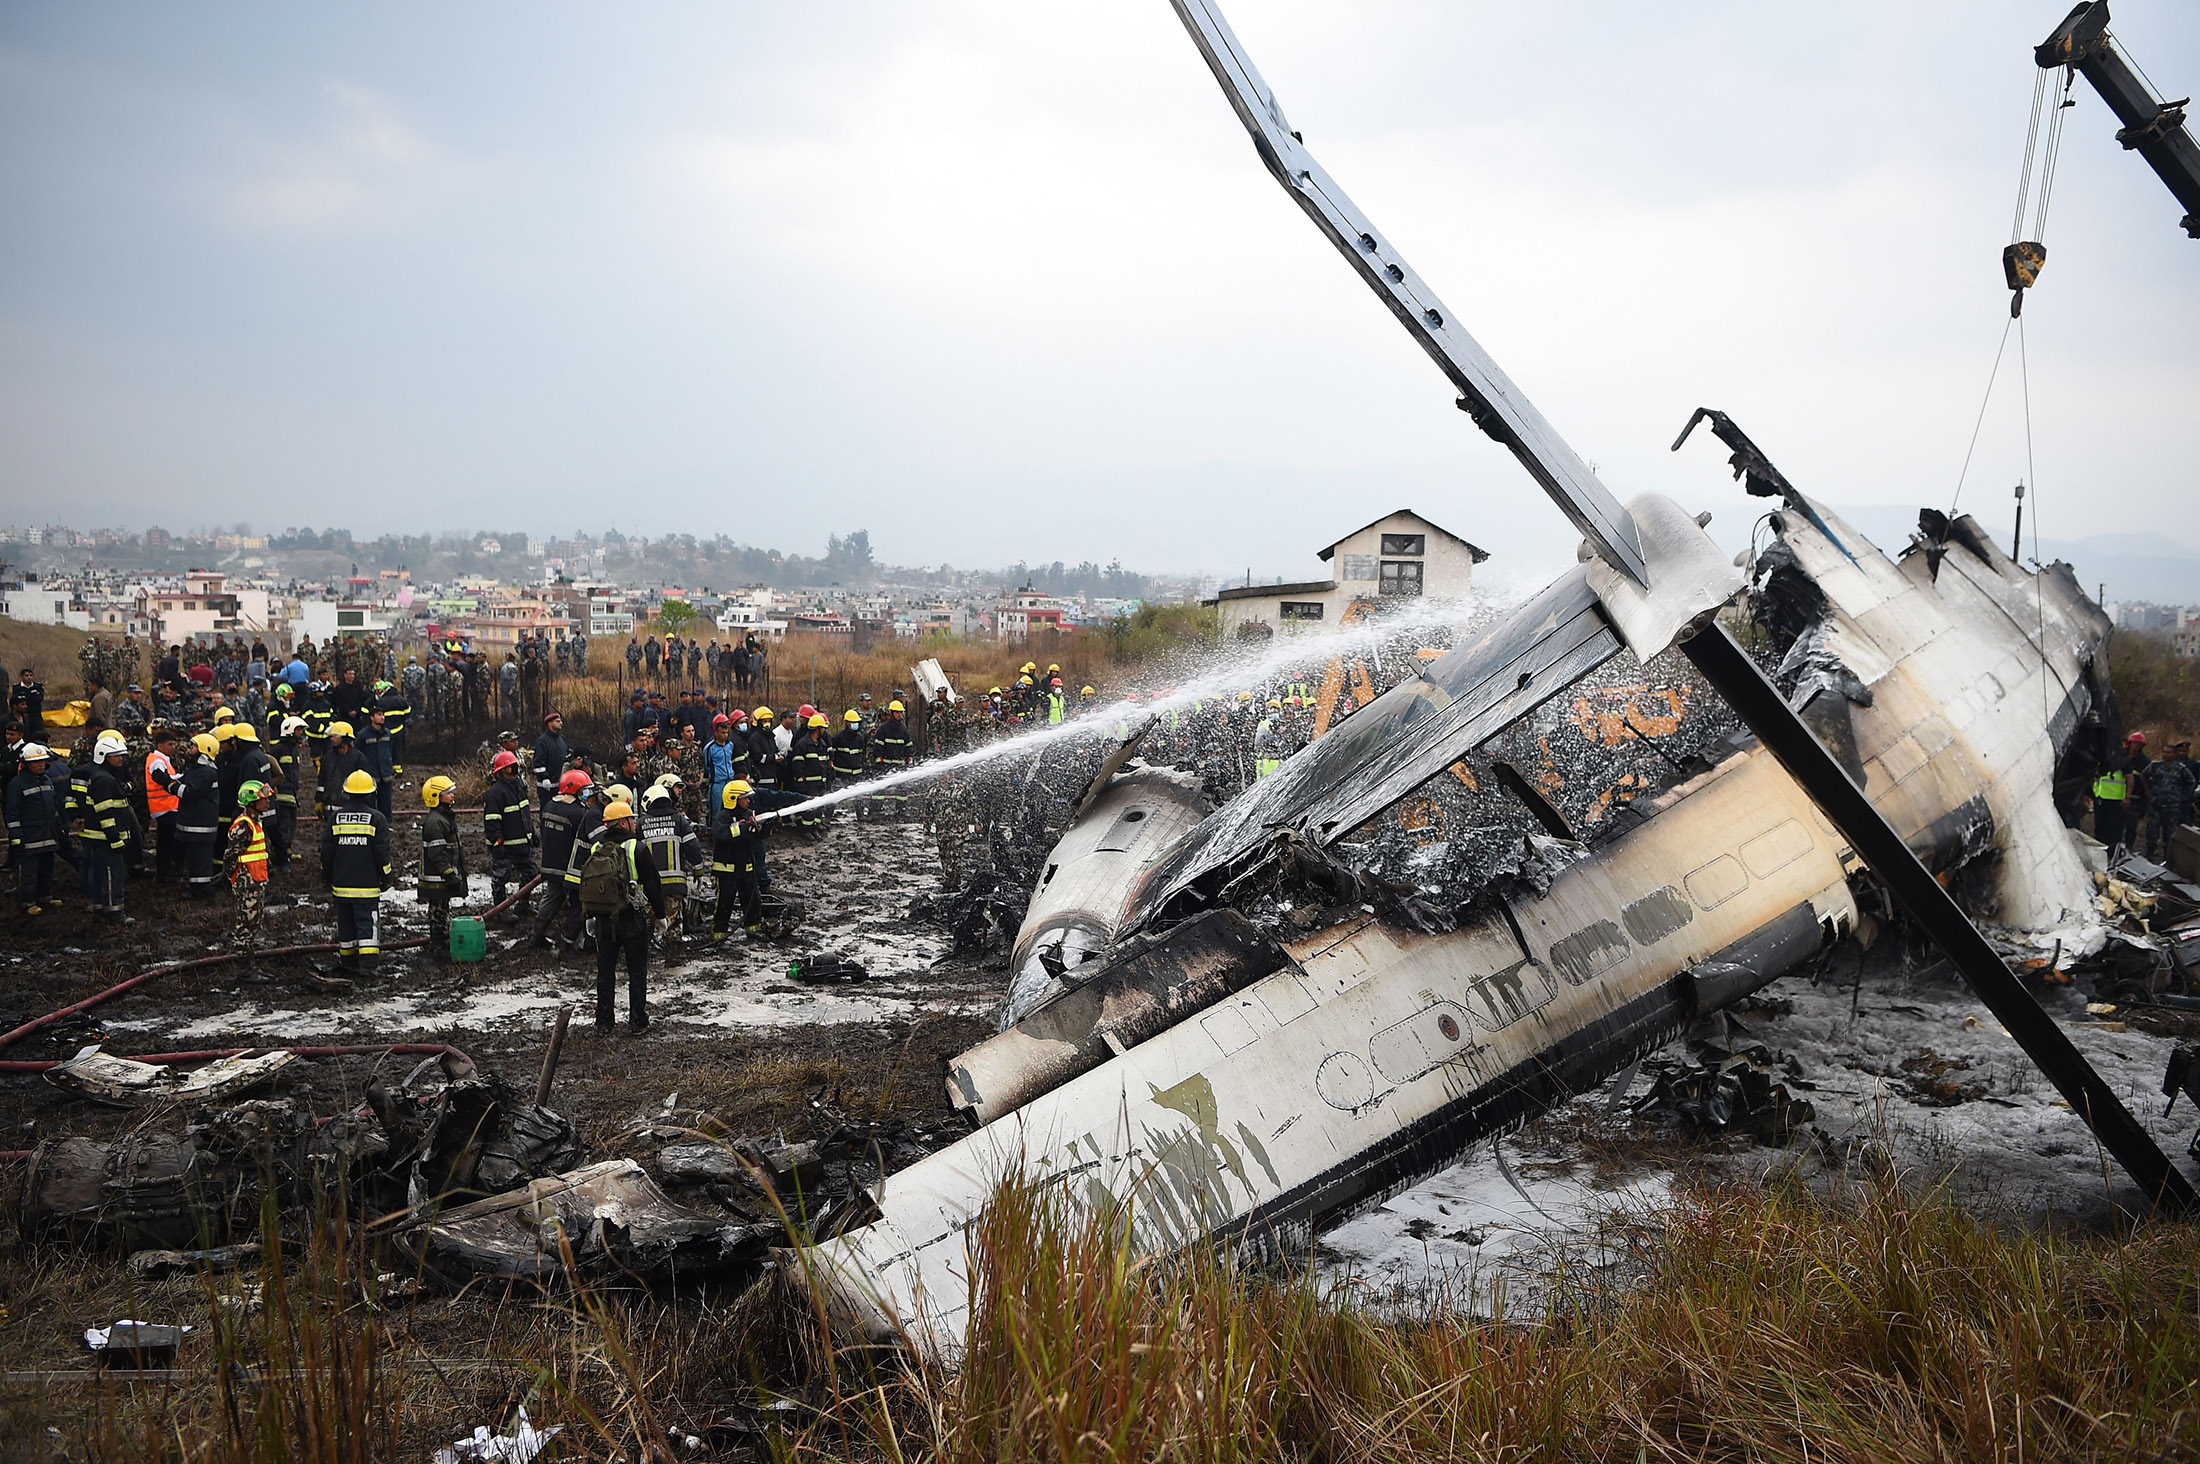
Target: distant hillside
x,y
2155,567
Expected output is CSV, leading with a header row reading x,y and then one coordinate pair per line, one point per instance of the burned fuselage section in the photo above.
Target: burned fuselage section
x,y
1495,886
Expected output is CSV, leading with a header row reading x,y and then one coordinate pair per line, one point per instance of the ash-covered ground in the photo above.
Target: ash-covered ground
x,y
1905,1074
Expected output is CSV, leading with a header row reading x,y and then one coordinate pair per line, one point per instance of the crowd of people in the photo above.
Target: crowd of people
x,y
653,845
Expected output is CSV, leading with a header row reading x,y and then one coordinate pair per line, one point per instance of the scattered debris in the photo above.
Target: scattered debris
x,y
1926,1081
159,1265
128,1083
825,970
1737,1092
135,1345
519,1446
602,1219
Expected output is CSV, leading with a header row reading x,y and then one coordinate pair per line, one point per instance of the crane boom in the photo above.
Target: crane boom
x,y
2153,128
1486,394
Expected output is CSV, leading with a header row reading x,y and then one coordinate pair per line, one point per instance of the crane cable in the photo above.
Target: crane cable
x,y
2022,259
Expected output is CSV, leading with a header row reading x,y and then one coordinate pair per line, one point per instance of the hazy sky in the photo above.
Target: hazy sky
x,y
1001,280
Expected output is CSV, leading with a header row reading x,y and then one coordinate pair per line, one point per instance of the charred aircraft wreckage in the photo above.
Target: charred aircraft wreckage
x,y
1248,1022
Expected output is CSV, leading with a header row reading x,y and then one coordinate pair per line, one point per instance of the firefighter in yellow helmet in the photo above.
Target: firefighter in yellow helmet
x,y
355,860
620,889
737,860
442,863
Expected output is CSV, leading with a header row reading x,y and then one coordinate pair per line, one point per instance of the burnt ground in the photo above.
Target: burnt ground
x,y
734,1044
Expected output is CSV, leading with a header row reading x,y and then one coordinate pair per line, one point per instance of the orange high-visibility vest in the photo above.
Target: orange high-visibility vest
x,y
253,861
157,802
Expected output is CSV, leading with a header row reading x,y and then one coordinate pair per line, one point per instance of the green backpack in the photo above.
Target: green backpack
x,y
603,879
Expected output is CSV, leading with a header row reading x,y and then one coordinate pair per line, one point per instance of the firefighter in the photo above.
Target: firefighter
x,y
892,749
245,861
105,826
36,818
377,750
355,862
673,846
562,818
809,771
199,817
592,797
506,829
396,708
737,858
293,756
442,863
619,887
850,750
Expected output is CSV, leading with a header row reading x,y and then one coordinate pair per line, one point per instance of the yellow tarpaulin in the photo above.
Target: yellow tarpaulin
x,y
75,714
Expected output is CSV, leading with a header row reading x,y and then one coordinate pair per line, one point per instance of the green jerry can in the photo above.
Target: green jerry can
x,y
468,942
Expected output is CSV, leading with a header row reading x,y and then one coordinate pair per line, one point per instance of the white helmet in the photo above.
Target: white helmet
x,y
657,793
292,726
32,752
109,743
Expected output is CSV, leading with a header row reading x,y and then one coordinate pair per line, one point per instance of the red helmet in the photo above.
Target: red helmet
x,y
502,761
737,716
807,712
574,781
2136,738
721,720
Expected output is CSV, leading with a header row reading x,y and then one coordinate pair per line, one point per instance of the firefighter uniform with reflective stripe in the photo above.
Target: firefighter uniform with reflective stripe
x,y
247,858
108,827
355,858
562,818
442,875
737,859
507,828
395,708
892,749
675,849
35,823
293,760
199,824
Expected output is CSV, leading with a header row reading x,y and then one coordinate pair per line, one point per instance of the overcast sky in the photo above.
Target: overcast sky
x,y
1006,280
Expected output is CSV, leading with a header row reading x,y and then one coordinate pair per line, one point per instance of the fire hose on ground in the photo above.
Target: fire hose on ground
x,y
8,1039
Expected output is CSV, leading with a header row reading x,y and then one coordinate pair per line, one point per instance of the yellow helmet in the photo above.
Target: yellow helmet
x,y
817,719
735,791
205,743
1053,666
432,791
1245,696
361,781
1029,666
762,714
1274,705
339,729
895,706
242,731
223,731
1088,691
617,809
223,714
852,715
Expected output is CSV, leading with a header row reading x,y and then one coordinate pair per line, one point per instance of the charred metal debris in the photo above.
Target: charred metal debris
x,y
467,1181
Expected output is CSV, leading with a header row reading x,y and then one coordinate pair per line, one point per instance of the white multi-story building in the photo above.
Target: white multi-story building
x,y
1397,557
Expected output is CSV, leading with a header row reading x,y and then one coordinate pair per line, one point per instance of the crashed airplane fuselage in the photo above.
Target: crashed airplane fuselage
x,y
1221,1082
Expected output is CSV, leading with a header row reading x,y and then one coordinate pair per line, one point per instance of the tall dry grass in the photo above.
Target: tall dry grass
x,y
1775,1325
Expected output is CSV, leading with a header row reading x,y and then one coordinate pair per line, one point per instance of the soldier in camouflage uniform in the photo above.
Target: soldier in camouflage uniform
x,y
245,858
654,763
952,816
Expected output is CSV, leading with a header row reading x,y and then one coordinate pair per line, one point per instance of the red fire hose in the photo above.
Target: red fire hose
x,y
8,1039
